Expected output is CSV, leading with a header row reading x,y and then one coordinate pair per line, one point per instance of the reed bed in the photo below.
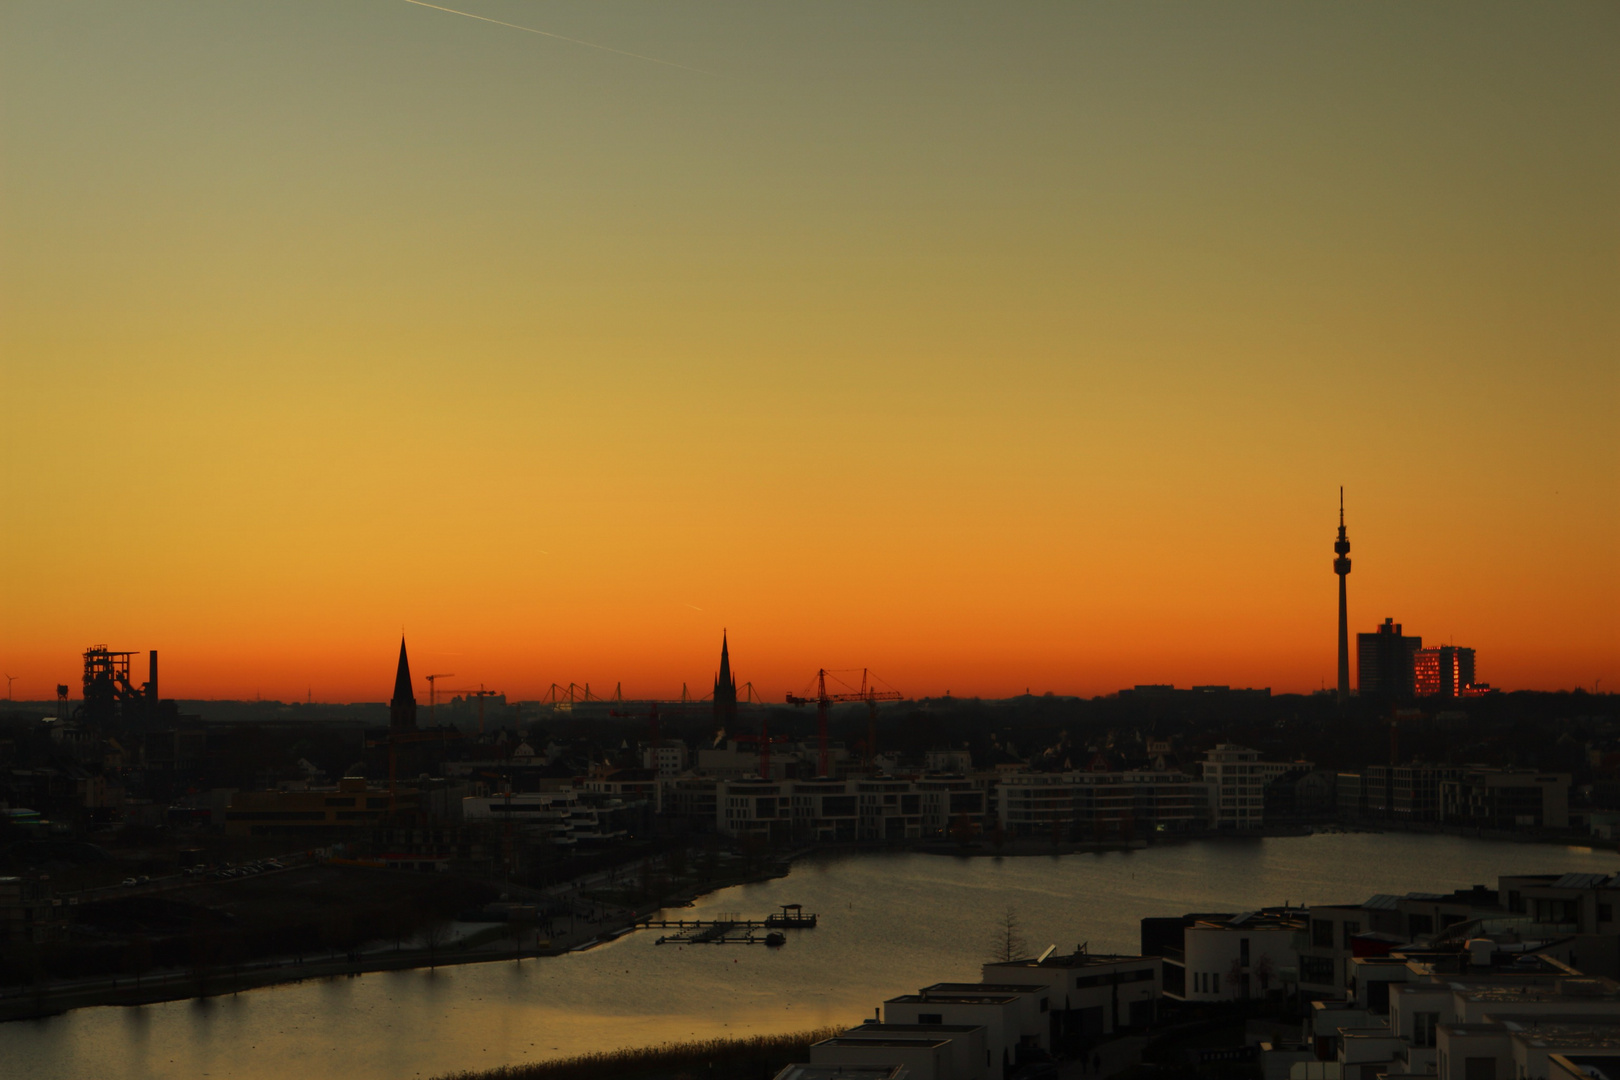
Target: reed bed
x,y
757,1057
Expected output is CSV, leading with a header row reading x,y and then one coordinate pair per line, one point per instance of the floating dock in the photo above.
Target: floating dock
x,y
732,929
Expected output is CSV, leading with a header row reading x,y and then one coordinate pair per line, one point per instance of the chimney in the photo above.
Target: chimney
x,y
152,684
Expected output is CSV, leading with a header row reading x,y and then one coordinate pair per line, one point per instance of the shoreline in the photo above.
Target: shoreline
x,y
20,1003
29,1004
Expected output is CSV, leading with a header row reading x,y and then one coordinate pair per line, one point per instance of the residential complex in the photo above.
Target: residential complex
x,y
1447,671
1020,1012
1237,780
1469,984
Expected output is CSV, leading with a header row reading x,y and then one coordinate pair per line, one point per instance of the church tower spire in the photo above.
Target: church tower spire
x,y
725,688
402,709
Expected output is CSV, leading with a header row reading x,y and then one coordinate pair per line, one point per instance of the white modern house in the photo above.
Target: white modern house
x,y
1239,957
1089,994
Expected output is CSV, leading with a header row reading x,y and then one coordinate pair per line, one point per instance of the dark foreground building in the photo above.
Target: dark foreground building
x,y
1386,662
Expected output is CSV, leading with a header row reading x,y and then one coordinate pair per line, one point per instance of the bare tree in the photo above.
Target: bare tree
x,y
435,934
1264,972
1008,942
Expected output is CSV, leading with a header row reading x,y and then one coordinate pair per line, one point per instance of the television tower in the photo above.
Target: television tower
x,y
1341,566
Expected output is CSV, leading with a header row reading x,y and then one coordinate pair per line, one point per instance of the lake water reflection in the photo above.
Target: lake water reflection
x,y
890,923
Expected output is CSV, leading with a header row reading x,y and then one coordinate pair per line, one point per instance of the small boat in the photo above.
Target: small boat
x,y
775,939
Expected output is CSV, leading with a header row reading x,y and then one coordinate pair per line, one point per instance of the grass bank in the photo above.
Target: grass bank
x,y
707,1059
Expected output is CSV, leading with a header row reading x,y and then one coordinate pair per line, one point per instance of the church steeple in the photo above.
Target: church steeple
x,y
402,709
725,688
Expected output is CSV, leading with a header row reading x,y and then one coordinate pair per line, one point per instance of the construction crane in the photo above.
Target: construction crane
x,y
431,679
765,739
393,741
867,692
480,694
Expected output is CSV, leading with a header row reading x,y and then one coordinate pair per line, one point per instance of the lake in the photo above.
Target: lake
x,y
890,923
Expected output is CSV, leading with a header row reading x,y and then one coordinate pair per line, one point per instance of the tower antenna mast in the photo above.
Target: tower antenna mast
x,y
1341,567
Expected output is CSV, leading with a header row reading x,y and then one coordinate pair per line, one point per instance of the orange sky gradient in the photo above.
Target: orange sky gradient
x,y
987,347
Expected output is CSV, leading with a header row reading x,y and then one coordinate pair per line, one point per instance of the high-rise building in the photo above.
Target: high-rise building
x,y
1341,567
725,689
1385,662
1447,671
402,709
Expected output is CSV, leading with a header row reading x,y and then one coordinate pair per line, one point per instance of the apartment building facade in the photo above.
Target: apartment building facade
x,y
1237,780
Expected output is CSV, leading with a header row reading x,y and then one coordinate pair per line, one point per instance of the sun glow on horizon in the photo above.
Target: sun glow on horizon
x,y
985,348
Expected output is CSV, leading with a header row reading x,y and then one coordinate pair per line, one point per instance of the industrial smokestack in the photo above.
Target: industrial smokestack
x,y
152,684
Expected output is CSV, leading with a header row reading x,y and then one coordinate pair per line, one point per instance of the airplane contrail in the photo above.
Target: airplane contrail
x,y
559,37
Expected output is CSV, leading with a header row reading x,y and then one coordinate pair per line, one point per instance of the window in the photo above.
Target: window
x,y
1214,982
1322,933
1479,1068
1423,1025
1419,924
1316,969
1351,929
349,801
930,1018
1605,913
1555,911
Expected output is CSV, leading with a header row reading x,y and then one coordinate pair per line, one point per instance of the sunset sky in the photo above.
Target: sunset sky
x,y
989,346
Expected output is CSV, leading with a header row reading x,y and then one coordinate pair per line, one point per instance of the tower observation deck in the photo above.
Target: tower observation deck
x,y
1341,567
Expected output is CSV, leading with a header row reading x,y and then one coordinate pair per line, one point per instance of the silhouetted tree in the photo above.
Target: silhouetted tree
x,y
435,934
1008,941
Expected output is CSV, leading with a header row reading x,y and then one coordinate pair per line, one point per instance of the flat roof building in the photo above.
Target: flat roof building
x,y
1089,994
1385,662
924,1058
353,803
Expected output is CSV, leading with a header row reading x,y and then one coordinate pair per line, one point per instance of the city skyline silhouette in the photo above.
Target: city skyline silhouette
x,y
990,350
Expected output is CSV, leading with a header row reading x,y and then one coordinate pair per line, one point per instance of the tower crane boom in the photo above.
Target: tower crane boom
x,y
823,701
